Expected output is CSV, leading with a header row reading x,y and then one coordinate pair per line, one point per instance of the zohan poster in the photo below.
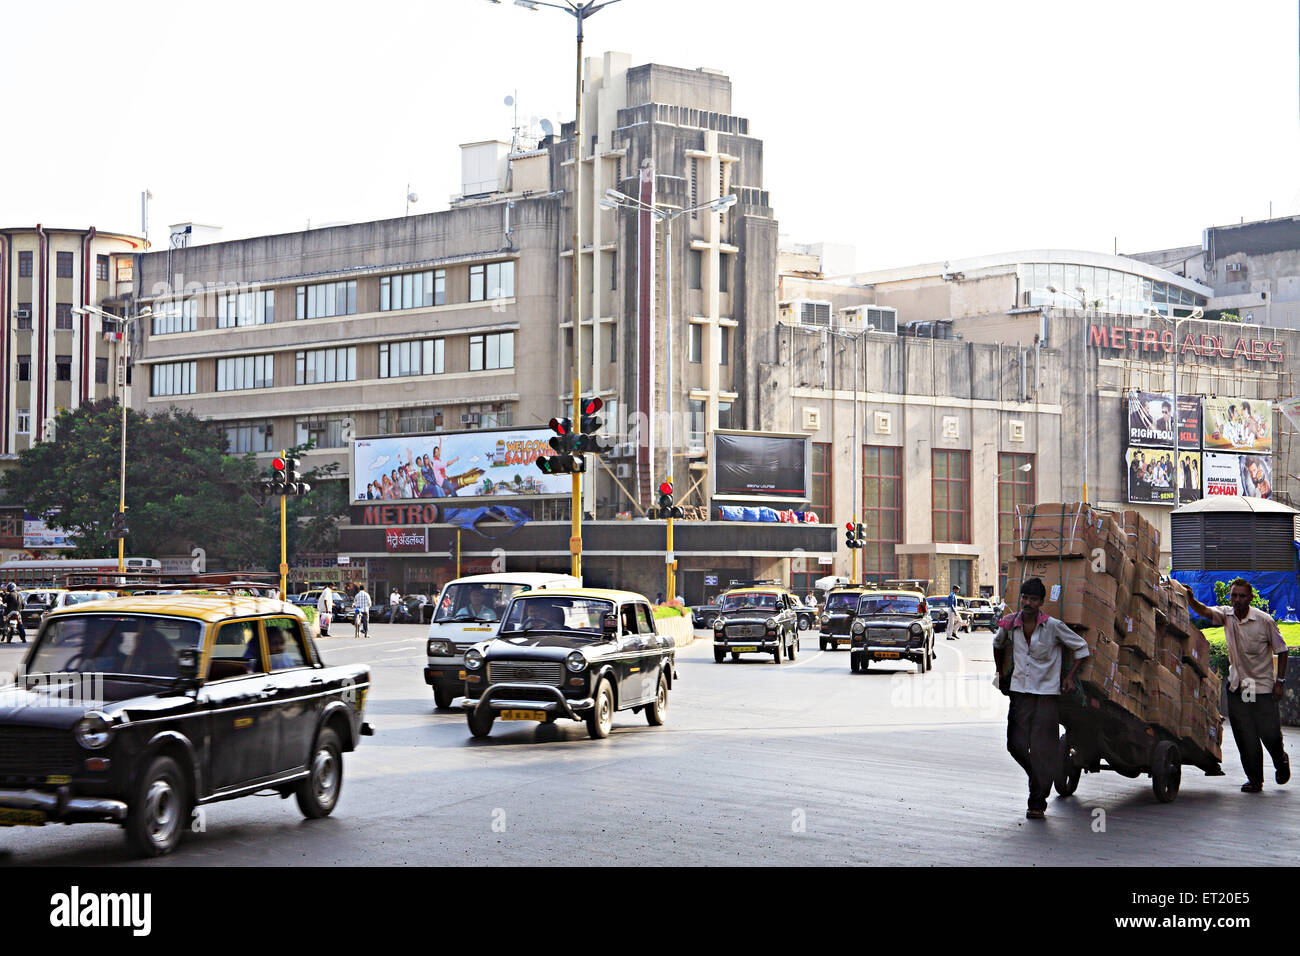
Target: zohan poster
x,y
1248,475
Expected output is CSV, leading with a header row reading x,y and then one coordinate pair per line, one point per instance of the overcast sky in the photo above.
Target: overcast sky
x,y
916,131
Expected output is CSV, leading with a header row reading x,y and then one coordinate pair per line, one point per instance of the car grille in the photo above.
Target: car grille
x,y
887,634
526,672
840,627
744,630
37,752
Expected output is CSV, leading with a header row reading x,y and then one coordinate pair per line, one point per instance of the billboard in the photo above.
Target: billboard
x,y
1150,476
1250,476
454,465
760,466
1151,420
1240,425
38,534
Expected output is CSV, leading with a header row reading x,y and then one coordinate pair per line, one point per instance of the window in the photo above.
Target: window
x,y
327,299
821,481
491,416
882,511
101,371
243,437
179,315
101,268
245,371
326,365
496,350
695,268
413,290
63,265
25,265
326,432
125,268
63,368
696,350
724,348
284,644
724,273
63,316
24,421
495,280
25,315
397,359
404,421
1015,487
724,415
24,368
245,308
950,486
695,426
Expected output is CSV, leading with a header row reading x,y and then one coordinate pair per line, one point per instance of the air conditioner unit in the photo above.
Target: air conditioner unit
x,y
22,313
622,471
625,450
469,418
880,319
807,311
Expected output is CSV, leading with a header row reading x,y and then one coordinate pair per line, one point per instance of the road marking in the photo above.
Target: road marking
x,y
808,660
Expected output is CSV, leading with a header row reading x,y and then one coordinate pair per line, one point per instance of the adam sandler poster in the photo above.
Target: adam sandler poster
x,y
461,465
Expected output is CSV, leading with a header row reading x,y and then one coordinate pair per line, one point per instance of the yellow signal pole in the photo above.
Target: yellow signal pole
x,y
853,579
670,559
284,552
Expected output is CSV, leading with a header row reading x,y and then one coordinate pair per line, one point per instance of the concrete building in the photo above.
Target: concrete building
x,y
462,319
51,357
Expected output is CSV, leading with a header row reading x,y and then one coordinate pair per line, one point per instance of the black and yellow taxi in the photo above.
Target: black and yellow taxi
x,y
838,614
891,625
757,620
576,653
137,710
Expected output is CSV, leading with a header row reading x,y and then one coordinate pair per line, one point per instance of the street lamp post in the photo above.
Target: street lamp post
x,y
662,212
580,12
119,358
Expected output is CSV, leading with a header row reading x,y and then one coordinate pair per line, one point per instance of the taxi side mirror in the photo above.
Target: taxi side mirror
x,y
187,664
609,625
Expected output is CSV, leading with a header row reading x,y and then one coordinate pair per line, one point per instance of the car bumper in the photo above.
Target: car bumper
x,y
498,697
62,806
755,645
444,675
838,638
888,652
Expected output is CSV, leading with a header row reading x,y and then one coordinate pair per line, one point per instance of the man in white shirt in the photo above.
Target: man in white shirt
x,y
1254,691
324,608
1033,724
361,603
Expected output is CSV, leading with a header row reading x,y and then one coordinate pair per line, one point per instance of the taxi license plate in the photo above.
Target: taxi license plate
x,y
23,818
523,715
887,655
744,650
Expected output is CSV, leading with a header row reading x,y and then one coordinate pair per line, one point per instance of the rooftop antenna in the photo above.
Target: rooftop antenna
x,y
511,100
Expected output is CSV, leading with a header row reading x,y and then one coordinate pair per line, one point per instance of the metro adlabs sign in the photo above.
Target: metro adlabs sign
x,y
406,540
1128,339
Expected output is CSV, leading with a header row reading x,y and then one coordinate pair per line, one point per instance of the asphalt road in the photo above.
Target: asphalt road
x,y
802,763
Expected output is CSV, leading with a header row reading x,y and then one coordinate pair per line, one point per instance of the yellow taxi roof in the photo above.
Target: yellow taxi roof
x,y
605,594
209,608
758,587
907,591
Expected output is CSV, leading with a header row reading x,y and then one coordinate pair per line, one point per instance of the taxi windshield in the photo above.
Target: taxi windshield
x,y
473,601
842,601
888,604
126,644
544,613
84,597
754,599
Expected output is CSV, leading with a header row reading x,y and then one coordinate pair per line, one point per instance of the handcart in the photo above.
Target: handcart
x,y
1097,730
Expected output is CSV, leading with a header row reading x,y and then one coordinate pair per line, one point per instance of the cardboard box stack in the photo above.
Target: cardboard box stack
x,y
1101,571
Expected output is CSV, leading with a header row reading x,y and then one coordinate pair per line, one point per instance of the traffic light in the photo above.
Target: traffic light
x,y
120,530
294,485
276,483
587,440
854,536
860,536
666,508
564,443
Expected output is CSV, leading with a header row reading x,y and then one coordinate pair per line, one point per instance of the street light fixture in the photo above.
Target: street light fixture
x,y
121,498
580,12
661,212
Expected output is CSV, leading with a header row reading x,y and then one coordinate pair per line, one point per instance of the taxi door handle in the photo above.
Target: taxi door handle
x,y
268,690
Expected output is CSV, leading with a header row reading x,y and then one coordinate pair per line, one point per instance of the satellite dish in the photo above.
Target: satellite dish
x,y
547,128
510,101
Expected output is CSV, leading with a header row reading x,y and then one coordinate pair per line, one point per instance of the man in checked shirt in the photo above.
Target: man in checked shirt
x,y
1033,724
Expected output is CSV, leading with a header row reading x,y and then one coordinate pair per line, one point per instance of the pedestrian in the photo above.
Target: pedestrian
x,y
361,612
954,614
324,608
1254,692
659,597
1035,685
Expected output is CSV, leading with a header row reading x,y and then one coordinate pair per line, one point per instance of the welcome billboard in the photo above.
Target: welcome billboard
x,y
471,464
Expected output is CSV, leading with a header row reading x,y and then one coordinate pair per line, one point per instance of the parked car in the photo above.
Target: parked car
x,y
838,614
756,620
188,700
309,598
981,612
892,626
411,611
703,615
35,604
806,612
62,599
938,604
469,611
580,653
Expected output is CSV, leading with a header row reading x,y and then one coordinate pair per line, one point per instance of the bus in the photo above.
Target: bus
x,y
57,573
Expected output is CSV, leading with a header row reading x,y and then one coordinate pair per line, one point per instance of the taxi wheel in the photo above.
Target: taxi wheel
x,y
442,698
821,644
776,651
855,663
600,719
159,812
718,656
657,712
480,721
734,656
794,646
318,792
804,624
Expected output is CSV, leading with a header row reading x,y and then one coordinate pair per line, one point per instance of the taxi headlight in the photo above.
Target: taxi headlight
x,y
770,623
473,659
576,662
857,627
916,630
440,648
94,731
717,624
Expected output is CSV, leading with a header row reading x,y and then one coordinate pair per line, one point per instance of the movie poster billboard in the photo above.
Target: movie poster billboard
x,y
1150,476
1239,425
1151,420
471,464
760,465
1250,476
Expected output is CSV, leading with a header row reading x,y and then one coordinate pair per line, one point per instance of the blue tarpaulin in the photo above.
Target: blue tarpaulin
x,y
467,518
1279,588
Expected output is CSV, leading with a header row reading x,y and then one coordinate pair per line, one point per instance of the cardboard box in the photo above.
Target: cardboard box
x,y
1145,582
1164,711
1171,662
1212,689
1143,537
1054,529
1196,651
1133,679
1077,593
1180,618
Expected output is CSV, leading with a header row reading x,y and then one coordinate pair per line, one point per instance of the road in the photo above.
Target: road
x,y
802,763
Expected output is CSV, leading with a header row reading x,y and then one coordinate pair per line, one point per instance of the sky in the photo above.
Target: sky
x,y
916,132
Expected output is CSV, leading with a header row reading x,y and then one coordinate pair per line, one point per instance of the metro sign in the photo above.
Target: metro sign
x,y
1128,339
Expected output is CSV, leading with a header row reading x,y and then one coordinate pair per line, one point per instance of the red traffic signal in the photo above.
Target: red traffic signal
x,y
560,426
848,526
278,464
666,488
591,406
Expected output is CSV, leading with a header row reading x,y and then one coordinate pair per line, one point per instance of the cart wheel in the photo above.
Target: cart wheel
x,y
1166,771
1067,772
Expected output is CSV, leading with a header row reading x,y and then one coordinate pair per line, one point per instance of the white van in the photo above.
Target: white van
x,y
469,610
